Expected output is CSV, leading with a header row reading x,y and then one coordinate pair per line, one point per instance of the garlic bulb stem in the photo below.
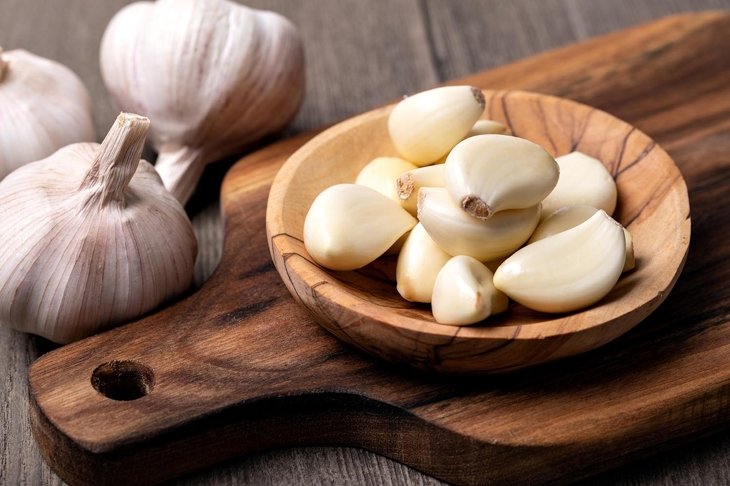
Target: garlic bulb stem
x,y
117,159
180,171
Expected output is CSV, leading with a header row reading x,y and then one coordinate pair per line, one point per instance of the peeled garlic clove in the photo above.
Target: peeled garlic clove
x,y
92,238
349,226
464,293
561,220
45,106
583,181
213,75
460,234
490,173
486,127
381,174
425,126
419,262
409,183
566,271
571,216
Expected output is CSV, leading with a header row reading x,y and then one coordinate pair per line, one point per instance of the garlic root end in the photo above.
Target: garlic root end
x,y
475,206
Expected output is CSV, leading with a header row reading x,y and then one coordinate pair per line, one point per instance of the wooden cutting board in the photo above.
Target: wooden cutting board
x,y
239,366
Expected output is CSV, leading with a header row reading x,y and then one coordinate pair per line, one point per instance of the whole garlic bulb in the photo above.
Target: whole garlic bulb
x,y
212,75
45,106
91,238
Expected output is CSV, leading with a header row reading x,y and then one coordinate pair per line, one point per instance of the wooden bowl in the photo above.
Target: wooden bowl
x,y
363,307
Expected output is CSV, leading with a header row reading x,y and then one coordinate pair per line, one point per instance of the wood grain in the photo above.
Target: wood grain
x,y
364,309
70,32
239,366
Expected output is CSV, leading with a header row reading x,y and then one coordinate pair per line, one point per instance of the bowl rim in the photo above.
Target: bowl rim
x,y
548,328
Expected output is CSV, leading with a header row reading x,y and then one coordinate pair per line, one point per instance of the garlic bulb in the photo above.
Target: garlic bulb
x,y
461,234
425,126
464,293
349,225
490,173
212,75
566,271
45,106
92,238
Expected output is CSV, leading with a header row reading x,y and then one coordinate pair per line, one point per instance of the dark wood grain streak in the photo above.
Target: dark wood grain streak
x,y
638,395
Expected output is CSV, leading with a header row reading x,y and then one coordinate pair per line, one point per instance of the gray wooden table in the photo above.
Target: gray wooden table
x,y
359,54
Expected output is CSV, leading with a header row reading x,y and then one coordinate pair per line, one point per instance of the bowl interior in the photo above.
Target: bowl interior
x,y
364,307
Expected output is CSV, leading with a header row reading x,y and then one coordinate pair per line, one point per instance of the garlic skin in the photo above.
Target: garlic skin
x,y
45,106
425,126
458,233
570,216
381,174
93,238
567,271
212,75
409,183
349,225
490,173
583,181
464,293
418,265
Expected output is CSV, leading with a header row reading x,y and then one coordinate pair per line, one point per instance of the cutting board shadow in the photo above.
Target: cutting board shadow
x,y
239,366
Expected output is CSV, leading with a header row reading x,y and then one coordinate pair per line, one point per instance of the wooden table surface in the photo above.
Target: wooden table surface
x,y
360,54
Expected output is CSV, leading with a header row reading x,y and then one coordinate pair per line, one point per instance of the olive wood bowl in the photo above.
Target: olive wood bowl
x,y
363,307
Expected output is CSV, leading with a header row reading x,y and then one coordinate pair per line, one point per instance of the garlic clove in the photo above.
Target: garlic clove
x,y
571,216
409,183
464,293
583,181
425,126
461,234
486,127
349,226
490,173
213,75
381,174
94,239
567,271
419,262
45,106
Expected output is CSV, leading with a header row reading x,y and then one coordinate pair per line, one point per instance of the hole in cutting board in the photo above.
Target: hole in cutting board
x,y
123,380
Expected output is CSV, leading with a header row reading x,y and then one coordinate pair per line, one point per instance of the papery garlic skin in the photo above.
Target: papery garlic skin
x,y
567,271
93,239
382,173
409,183
425,126
419,262
349,225
212,75
583,181
461,234
45,106
464,293
570,216
490,173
